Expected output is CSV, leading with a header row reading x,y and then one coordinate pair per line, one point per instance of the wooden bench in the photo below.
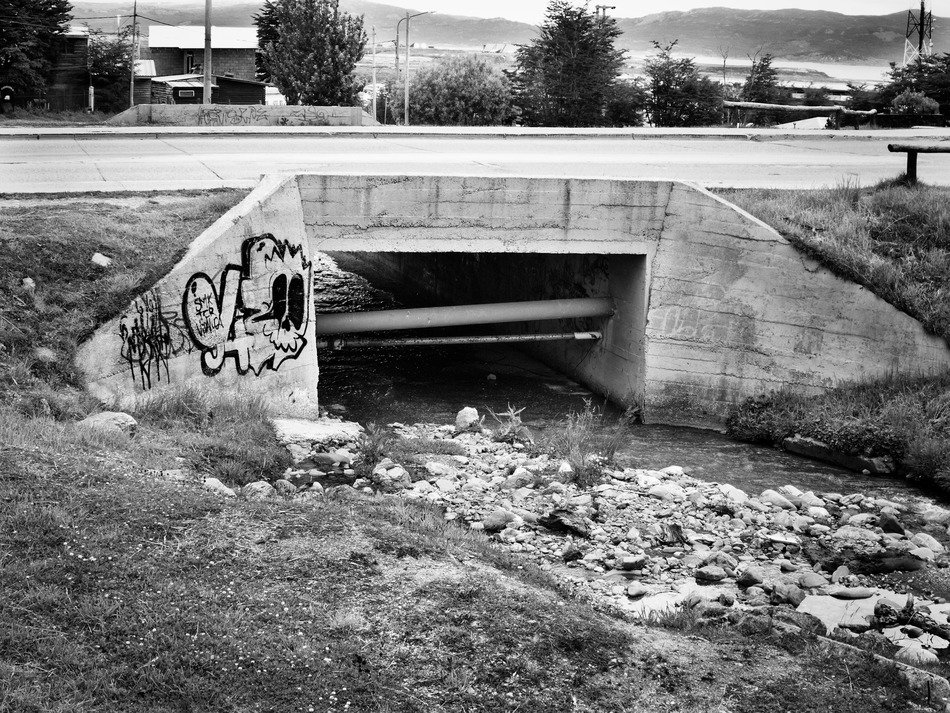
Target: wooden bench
x,y
912,150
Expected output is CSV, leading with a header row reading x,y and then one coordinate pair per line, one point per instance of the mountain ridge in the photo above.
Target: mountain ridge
x,y
790,34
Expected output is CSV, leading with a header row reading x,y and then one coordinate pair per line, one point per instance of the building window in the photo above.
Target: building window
x,y
186,94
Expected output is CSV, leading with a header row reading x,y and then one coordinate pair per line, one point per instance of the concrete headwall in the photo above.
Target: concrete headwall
x,y
731,309
712,305
238,115
235,312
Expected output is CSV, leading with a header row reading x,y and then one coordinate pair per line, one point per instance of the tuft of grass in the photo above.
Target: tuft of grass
x,y
584,441
892,238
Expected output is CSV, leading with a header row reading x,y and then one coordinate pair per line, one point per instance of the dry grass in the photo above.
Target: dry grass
x,y
891,238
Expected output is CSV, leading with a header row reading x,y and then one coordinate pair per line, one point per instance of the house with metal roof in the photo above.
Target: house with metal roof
x,y
189,89
180,50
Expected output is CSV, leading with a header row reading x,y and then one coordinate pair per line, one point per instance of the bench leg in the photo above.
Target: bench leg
x,y
912,167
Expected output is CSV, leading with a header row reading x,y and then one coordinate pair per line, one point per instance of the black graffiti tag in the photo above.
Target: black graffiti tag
x,y
146,340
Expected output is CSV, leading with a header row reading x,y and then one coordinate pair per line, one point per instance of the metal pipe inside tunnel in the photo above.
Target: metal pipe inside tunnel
x,y
463,315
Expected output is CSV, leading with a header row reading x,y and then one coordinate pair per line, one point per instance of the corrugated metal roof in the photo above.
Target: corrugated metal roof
x,y
145,68
183,81
192,37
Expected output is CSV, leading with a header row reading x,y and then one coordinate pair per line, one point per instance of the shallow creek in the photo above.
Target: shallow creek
x,y
430,384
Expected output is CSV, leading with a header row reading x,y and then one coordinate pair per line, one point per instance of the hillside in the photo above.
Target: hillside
x,y
788,34
437,29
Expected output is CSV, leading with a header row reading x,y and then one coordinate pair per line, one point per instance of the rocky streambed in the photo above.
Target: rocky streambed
x,y
648,543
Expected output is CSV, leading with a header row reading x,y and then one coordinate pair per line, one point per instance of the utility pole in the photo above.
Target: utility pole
x,y
133,51
918,39
206,94
601,10
374,71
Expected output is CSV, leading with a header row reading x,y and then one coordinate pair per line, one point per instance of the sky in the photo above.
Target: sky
x,y
533,10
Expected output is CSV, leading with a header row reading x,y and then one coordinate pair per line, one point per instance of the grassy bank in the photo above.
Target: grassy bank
x,y
128,589
42,118
894,240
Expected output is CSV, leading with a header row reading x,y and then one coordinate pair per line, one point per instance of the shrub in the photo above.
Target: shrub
x,y
915,104
458,91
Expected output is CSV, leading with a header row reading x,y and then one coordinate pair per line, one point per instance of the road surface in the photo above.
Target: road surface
x,y
173,162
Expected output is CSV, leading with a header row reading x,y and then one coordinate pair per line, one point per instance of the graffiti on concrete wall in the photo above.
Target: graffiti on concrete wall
x,y
256,313
232,116
263,116
150,336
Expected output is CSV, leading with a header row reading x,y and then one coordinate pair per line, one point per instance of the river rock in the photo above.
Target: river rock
x,y
439,470
916,655
258,490
667,491
710,574
931,543
789,594
733,494
851,592
110,420
217,487
923,553
636,590
773,497
467,420
889,523
811,580
633,562
563,520
751,576
284,487
498,520
851,533
840,573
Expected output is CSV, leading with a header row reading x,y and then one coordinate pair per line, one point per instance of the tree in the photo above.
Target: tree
x,y
628,104
309,49
457,91
816,96
29,33
109,69
566,75
761,85
679,95
929,76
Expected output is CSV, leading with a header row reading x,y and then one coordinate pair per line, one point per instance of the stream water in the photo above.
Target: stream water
x,y
430,384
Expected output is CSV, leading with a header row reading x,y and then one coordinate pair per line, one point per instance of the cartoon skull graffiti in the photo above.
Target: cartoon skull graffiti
x,y
258,312
275,295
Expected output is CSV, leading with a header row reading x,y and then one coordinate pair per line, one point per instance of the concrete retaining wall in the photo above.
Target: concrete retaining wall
x,y
237,115
235,312
713,305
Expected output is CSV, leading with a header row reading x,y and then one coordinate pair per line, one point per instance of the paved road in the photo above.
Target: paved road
x,y
173,162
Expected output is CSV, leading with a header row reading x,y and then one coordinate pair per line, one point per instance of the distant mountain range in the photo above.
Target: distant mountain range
x,y
804,35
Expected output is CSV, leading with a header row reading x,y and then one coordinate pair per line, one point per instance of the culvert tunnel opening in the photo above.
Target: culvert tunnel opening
x,y
453,334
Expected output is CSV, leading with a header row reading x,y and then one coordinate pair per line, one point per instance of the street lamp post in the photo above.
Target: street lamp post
x,y
407,18
206,95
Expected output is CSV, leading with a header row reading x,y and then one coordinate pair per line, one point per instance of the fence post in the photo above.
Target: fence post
x,y
912,167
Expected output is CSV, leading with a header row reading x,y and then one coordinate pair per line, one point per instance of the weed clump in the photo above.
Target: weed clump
x,y
586,443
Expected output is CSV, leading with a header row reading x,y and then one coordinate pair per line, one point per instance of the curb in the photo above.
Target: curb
x,y
158,132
